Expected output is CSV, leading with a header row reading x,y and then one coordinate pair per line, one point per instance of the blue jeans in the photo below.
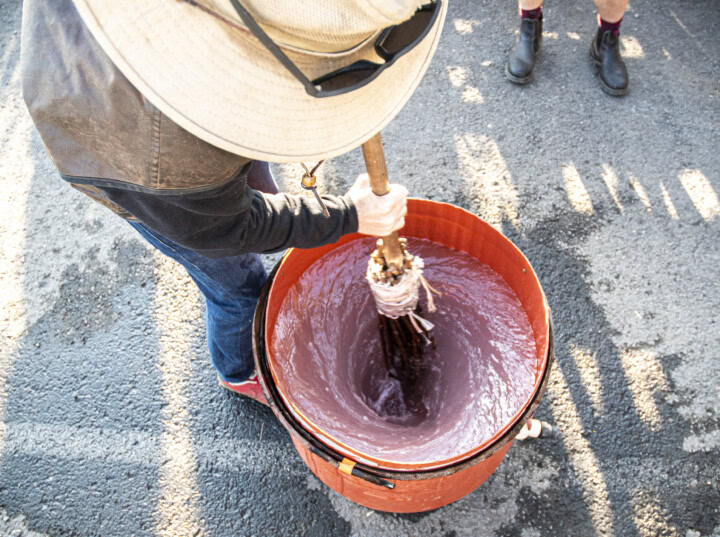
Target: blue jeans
x,y
231,286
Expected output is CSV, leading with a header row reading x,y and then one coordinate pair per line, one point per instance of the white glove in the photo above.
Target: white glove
x,y
378,215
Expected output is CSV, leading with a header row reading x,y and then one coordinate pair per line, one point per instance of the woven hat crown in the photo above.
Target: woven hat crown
x,y
320,25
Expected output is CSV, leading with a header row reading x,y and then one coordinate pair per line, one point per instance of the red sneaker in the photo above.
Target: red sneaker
x,y
249,388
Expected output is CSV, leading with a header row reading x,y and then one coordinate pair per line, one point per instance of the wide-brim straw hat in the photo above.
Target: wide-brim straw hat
x,y
200,65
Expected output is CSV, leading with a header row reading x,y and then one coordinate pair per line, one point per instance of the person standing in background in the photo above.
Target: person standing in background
x,y
604,49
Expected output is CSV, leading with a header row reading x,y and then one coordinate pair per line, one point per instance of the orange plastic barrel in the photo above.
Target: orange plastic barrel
x,y
407,490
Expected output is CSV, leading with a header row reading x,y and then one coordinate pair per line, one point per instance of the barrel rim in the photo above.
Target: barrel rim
x,y
290,422
320,449
457,228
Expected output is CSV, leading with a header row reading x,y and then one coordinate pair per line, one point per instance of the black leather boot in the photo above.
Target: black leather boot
x,y
605,54
520,65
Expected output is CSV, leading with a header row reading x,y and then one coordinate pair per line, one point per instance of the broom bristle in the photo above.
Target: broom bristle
x,y
404,357
403,341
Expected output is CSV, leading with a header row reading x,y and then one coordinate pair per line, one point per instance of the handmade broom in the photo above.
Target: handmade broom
x,y
395,278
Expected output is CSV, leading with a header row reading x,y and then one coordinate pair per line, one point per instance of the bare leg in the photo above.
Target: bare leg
x,y
530,4
611,10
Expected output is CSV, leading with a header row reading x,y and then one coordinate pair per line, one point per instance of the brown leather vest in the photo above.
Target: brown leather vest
x,y
98,129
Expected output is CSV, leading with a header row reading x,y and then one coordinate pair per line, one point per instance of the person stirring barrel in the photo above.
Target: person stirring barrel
x,y
169,116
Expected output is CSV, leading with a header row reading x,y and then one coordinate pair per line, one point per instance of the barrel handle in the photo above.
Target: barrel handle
x,y
370,478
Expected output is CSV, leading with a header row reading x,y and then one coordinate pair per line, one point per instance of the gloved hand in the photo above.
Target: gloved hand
x,y
378,215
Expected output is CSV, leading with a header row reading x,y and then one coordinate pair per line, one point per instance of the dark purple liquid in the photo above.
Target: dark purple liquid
x,y
327,356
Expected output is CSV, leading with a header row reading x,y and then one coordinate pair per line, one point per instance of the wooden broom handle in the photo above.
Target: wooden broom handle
x,y
377,171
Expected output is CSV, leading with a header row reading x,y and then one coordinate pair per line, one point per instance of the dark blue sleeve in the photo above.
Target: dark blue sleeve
x,y
233,218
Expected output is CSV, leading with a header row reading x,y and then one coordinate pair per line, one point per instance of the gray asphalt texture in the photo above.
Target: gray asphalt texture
x,y
111,420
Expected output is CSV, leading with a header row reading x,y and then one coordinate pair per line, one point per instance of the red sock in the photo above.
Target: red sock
x,y
531,13
606,26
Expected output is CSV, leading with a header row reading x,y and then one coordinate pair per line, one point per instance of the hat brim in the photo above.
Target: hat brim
x,y
219,83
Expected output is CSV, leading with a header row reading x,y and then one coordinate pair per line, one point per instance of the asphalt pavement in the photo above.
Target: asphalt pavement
x,y
111,420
